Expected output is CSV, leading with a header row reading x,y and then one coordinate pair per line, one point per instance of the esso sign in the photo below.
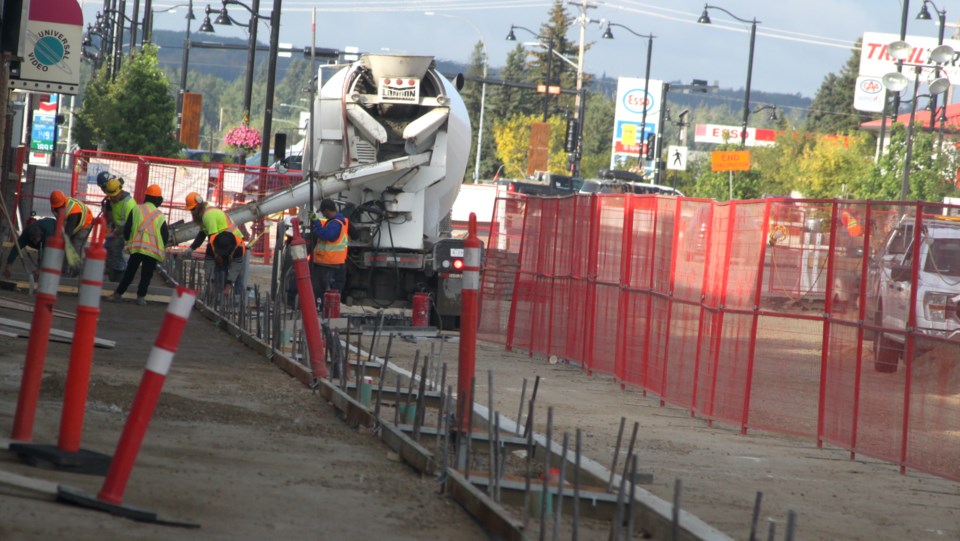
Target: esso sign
x,y
637,101
729,134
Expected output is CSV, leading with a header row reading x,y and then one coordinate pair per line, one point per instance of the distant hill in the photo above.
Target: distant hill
x,y
230,65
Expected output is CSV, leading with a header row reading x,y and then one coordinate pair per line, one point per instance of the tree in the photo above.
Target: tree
x,y
507,101
473,99
597,134
932,174
134,113
513,142
832,109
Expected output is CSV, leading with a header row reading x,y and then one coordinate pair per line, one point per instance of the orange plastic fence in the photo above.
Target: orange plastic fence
x,y
834,320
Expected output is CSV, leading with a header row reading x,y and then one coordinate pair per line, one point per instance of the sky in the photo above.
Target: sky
x,y
797,43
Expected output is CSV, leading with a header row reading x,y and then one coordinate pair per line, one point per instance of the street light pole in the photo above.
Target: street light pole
x,y
705,19
646,86
183,69
271,82
924,15
905,179
579,108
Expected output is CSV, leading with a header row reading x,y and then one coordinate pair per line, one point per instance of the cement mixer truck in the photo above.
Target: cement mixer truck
x,y
390,143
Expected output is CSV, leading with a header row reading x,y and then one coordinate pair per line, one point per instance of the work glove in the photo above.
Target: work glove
x,y
314,217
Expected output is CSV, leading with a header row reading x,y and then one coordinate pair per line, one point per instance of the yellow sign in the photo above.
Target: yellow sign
x,y
736,160
629,136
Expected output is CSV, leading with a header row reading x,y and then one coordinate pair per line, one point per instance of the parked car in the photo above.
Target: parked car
x,y
595,185
937,286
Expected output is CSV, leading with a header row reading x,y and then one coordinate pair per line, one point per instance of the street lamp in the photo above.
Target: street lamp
x,y
773,112
110,25
224,19
646,86
896,82
148,19
924,15
549,45
705,19
483,88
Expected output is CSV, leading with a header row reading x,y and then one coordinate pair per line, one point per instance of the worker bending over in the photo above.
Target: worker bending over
x,y
146,236
35,236
76,228
213,223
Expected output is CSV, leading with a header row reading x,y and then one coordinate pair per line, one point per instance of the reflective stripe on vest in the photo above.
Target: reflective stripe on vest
x,y
76,207
231,228
121,209
333,253
146,239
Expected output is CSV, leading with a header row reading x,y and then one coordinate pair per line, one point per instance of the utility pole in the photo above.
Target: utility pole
x,y
578,109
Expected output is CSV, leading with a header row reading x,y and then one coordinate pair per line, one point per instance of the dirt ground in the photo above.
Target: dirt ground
x,y
235,446
248,453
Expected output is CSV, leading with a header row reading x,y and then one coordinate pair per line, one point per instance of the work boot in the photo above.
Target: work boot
x,y
141,301
116,297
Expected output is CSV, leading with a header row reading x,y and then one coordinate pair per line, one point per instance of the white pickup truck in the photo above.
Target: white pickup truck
x,y
938,287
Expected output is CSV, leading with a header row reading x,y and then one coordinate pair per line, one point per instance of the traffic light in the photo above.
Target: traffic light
x,y
651,146
570,142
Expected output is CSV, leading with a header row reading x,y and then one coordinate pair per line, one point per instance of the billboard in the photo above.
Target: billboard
x,y
629,134
51,59
875,60
719,135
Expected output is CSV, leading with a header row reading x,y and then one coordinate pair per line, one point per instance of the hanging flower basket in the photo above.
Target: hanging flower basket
x,y
243,139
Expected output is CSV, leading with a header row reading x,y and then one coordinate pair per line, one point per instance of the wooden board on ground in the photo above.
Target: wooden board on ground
x,y
55,334
27,307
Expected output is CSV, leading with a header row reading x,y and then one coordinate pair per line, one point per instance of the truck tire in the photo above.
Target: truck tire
x,y
886,352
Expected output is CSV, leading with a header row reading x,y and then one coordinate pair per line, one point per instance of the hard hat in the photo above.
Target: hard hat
x,y
154,191
57,199
102,178
193,199
113,187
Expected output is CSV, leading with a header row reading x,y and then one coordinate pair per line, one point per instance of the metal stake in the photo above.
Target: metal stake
x,y
576,487
523,392
677,487
546,476
418,414
526,487
756,516
616,454
563,472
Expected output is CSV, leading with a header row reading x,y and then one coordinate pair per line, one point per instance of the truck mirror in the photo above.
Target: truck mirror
x,y
458,81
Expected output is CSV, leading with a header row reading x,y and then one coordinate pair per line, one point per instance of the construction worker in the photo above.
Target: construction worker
x,y
328,270
117,208
214,222
849,220
76,228
35,235
146,236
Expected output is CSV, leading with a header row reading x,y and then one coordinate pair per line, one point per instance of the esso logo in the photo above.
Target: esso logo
x,y
871,86
637,101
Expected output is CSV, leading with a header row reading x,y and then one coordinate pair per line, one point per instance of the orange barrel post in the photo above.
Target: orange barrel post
x,y
469,320
331,304
81,350
158,364
421,309
308,304
46,297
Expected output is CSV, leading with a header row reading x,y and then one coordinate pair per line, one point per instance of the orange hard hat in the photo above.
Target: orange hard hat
x,y
154,191
57,199
193,199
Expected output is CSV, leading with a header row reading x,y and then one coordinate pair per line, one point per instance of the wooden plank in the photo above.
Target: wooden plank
x,y
56,335
487,512
27,307
36,487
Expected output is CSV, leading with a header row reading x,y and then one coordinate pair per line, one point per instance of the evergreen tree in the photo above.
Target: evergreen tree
x,y
473,97
505,101
832,109
135,113
597,134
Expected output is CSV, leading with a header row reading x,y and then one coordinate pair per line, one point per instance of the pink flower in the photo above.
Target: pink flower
x,y
243,138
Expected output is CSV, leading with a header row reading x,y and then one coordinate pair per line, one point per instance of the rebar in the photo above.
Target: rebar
x,y
418,414
546,476
490,472
523,392
756,517
576,487
616,453
529,457
675,512
412,377
560,482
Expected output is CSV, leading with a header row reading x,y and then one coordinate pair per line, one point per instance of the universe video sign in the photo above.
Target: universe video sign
x,y
719,135
875,60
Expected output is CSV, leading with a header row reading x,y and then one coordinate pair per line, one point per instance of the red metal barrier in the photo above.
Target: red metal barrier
x,y
158,364
46,297
766,314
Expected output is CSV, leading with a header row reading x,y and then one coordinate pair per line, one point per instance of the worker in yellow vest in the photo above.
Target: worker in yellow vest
x,y
146,236
328,270
213,223
117,208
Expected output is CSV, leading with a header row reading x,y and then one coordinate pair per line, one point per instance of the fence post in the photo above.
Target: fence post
x,y
758,291
910,344
673,284
623,299
718,332
512,321
862,310
652,250
827,316
704,284
590,279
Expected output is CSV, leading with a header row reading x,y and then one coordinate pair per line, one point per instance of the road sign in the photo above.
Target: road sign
x,y
677,158
735,160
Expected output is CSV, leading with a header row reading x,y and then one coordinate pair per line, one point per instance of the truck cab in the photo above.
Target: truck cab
x,y
937,287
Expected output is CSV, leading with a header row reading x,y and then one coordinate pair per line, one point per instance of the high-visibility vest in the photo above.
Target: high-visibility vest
x,y
854,229
333,253
146,238
76,207
121,209
220,222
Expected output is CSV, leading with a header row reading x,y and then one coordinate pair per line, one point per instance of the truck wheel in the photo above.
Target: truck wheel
x,y
886,352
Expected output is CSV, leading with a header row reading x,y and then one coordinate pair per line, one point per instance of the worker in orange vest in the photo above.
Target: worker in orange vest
x,y
78,220
328,269
849,220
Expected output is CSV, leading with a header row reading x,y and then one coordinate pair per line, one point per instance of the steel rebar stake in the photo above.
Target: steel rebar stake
x,y
418,416
546,476
756,516
523,392
616,454
677,487
563,473
527,480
